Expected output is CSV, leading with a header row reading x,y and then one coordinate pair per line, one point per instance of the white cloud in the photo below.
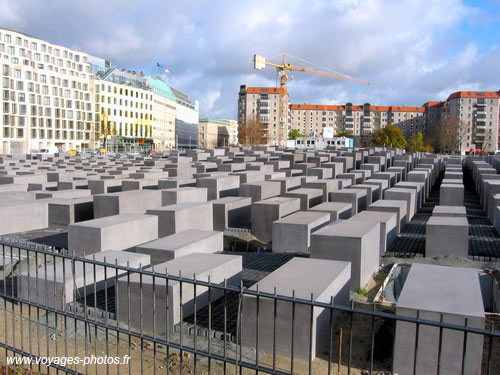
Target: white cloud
x,y
411,50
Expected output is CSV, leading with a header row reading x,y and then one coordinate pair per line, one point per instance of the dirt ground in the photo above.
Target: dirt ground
x,y
145,357
25,333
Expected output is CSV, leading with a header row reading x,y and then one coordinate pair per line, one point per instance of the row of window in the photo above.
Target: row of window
x,y
121,91
45,134
19,41
46,122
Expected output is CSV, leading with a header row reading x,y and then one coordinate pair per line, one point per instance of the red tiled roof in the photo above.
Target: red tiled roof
x,y
475,94
316,107
319,107
433,104
266,90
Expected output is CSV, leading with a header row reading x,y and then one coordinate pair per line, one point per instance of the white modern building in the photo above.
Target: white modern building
x,y
186,121
46,95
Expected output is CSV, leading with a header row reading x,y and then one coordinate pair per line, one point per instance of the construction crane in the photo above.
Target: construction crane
x,y
282,69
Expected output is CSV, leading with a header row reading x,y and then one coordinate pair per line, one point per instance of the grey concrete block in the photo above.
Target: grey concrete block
x,y
119,232
399,207
23,216
177,218
337,210
232,212
321,173
104,186
181,244
217,267
249,176
328,186
59,283
65,211
356,197
407,194
372,192
288,183
436,293
264,213
447,236
308,197
451,195
292,233
220,186
388,226
260,190
358,244
126,202
324,279
419,191
449,211
382,184
182,195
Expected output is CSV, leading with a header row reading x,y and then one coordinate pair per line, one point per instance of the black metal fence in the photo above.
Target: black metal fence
x,y
63,309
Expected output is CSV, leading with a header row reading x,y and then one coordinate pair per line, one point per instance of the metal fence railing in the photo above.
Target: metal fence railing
x,y
59,309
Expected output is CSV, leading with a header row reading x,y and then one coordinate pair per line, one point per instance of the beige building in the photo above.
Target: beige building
x,y
359,120
478,113
267,105
46,98
214,133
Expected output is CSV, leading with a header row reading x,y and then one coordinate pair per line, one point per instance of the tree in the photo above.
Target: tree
x,y
448,135
416,142
252,133
294,133
344,134
390,136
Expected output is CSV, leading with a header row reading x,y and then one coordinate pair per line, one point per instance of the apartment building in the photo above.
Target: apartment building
x,y
46,95
269,106
479,114
358,120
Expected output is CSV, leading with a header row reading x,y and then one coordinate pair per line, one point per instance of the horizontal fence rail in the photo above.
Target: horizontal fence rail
x,y
134,320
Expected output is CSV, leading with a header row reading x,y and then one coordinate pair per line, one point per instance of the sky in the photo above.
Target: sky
x,y
411,51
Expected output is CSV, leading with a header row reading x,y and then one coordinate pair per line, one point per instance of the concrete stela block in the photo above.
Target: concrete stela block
x,y
324,279
216,267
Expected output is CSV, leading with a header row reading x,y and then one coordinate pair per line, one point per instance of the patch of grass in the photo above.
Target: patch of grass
x,y
362,292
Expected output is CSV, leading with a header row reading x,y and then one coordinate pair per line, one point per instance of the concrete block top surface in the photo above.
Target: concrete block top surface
x,y
452,290
277,201
109,221
379,216
308,191
180,206
346,229
449,210
181,239
228,200
196,263
304,217
309,276
389,203
332,206
448,221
